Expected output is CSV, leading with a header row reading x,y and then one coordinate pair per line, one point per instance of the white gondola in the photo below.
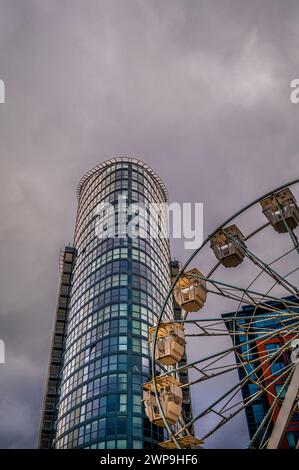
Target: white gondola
x,y
190,291
281,210
171,397
170,345
228,246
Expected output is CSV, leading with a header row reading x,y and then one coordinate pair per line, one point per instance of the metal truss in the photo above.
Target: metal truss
x,y
271,315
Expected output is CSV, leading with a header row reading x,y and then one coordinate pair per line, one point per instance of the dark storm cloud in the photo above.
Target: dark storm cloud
x,y
197,89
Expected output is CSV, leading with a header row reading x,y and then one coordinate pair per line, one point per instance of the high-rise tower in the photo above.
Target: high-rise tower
x,y
113,293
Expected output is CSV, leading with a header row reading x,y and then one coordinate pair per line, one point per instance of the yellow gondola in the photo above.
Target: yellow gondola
x,y
281,210
190,291
228,247
170,345
171,397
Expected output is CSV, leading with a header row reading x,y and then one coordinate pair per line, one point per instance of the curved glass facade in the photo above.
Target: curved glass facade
x,y
118,286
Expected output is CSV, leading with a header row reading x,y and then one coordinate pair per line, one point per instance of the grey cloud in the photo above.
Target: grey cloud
x,y
197,89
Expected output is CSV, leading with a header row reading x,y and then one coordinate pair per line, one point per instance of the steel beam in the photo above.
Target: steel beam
x,y
285,411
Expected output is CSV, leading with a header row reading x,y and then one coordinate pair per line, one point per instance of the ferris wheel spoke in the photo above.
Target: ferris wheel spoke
x,y
266,388
245,404
264,428
272,287
210,330
264,266
233,391
270,363
294,240
206,376
232,292
269,290
263,443
217,328
225,368
228,287
293,331
271,409
221,354
272,273
217,320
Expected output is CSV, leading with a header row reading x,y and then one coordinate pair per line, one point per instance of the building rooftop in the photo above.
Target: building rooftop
x,y
119,159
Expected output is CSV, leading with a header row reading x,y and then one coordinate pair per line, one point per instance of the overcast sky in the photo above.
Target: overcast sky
x,y
198,89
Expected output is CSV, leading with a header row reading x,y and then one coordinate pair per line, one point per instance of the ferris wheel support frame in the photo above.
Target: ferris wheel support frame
x,y
285,411
169,293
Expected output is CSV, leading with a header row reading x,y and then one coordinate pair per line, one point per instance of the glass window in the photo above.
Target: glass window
x,y
271,348
253,388
258,412
137,444
112,403
276,367
111,444
121,444
292,441
123,403
122,425
111,425
122,382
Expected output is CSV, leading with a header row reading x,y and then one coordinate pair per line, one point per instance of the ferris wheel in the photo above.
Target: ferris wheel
x,y
239,325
